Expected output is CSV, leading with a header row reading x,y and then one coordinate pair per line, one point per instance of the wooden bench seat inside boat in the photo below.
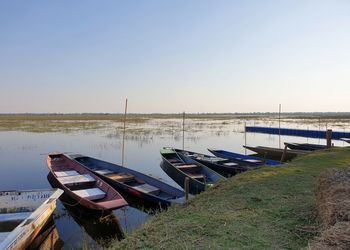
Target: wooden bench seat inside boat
x,y
103,171
173,160
76,179
66,173
230,164
146,188
122,177
90,194
187,166
196,176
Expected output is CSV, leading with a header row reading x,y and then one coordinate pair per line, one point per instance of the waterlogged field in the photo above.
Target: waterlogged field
x,y
25,141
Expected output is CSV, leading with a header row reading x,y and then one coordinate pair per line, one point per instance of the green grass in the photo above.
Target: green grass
x,y
268,208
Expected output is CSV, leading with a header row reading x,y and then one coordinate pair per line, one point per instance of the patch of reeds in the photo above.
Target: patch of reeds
x,y
333,202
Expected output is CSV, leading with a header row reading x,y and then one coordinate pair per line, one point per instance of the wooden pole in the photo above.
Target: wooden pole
x,y
187,188
329,138
183,131
245,137
279,125
124,127
284,153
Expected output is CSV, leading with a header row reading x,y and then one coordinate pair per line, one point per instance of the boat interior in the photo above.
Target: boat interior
x,y
126,178
15,207
194,171
80,182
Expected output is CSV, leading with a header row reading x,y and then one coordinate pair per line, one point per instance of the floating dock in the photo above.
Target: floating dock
x,y
336,135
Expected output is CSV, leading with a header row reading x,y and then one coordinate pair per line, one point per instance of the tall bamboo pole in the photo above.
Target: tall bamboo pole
x,y
183,131
124,127
279,124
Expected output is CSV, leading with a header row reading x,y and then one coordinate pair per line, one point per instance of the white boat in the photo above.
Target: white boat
x,y
23,214
345,139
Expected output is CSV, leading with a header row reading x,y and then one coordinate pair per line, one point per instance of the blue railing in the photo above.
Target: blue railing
x,y
297,132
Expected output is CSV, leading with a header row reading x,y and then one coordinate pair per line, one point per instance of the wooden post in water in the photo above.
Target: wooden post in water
x,y
183,130
187,188
284,153
245,137
126,108
279,125
329,138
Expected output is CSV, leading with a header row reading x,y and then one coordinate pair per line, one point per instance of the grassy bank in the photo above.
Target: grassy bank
x,y
269,208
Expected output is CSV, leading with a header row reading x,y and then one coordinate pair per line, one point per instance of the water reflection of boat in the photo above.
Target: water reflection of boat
x,y
130,181
240,158
179,168
276,153
102,227
47,239
23,214
82,185
223,166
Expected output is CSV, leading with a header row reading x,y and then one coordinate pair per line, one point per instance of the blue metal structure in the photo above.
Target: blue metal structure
x,y
336,135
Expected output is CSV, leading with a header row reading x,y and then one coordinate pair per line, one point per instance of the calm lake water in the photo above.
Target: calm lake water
x,y
23,162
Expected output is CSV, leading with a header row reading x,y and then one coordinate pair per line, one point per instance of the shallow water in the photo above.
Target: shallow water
x,y
23,162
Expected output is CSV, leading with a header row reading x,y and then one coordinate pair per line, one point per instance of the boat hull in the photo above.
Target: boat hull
x,y
305,146
112,199
195,187
276,153
169,191
25,232
249,160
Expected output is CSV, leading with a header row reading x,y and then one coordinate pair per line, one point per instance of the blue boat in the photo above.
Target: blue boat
x,y
131,181
246,159
223,166
179,167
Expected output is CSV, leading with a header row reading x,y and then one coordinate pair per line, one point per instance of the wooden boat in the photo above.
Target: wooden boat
x,y
86,188
246,159
276,153
131,181
47,239
345,139
179,167
223,166
23,214
305,146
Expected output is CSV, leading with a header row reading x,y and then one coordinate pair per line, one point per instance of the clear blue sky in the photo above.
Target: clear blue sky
x,y
174,56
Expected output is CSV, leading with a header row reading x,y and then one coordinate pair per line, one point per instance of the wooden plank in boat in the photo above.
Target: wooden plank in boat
x,y
14,216
186,166
104,171
90,193
146,188
76,179
230,164
197,176
66,173
122,177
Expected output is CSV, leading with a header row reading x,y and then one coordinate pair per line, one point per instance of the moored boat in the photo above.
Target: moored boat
x,y
276,153
345,140
131,181
246,159
23,214
225,167
179,168
79,183
305,146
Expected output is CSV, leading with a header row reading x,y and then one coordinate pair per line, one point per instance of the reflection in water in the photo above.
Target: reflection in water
x,y
103,227
22,159
48,238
